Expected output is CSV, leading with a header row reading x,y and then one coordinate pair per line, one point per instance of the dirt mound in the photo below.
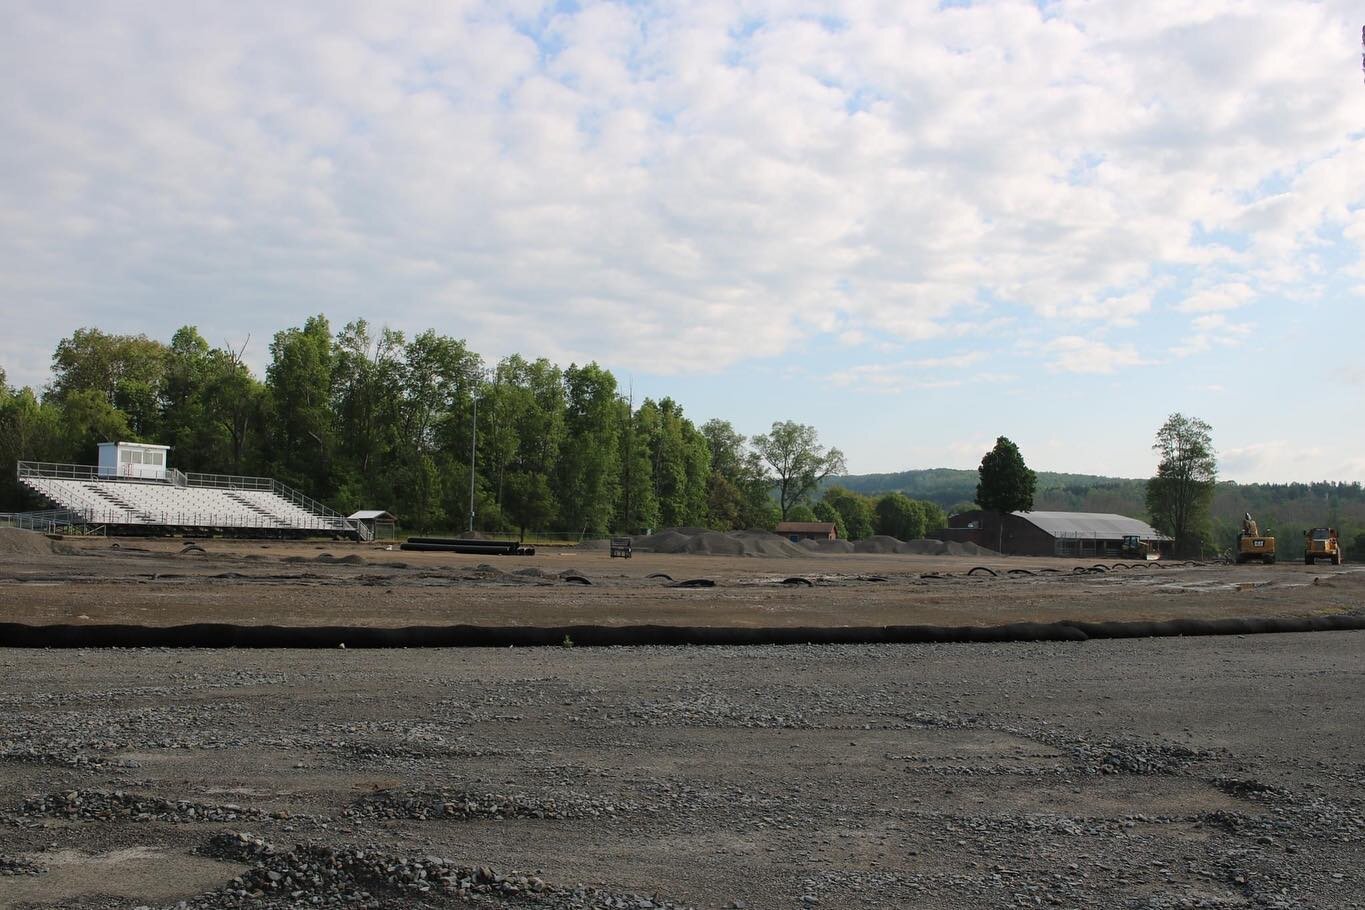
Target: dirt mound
x,y
18,542
833,546
923,547
968,548
879,543
716,543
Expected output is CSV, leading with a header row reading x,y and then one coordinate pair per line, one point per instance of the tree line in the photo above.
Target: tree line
x,y
367,417
1183,498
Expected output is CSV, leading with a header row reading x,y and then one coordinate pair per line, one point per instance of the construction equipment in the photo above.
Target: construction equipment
x,y
1252,544
1321,543
1134,547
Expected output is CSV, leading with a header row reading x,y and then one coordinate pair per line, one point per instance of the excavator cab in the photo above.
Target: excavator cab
x,y
1133,547
1252,544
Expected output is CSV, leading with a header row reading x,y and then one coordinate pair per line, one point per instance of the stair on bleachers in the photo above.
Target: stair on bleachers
x,y
103,492
248,504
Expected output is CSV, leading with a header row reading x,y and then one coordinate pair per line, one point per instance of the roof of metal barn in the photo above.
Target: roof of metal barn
x,y
1098,525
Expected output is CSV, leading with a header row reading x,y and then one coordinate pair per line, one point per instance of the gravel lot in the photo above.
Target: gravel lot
x,y
1164,773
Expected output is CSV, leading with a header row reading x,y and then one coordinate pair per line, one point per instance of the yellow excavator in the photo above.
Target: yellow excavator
x,y
1134,547
1252,544
1321,543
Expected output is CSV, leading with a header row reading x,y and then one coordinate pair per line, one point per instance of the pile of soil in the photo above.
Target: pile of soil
x,y
18,542
716,543
828,546
757,542
968,549
878,543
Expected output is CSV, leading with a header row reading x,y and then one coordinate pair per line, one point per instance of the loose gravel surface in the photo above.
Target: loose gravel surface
x,y
1159,773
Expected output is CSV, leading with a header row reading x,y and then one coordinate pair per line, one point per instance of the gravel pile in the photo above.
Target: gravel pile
x,y
424,803
317,875
13,865
108,805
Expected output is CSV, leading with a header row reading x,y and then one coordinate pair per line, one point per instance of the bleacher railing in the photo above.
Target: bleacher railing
x,y
329,519
48,522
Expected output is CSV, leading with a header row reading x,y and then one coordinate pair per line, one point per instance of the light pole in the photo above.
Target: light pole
x,y
475,376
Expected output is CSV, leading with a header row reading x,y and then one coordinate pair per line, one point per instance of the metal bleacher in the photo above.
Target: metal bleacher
x,y
188,502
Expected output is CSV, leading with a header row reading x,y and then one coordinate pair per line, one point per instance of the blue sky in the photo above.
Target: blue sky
x,y
914,225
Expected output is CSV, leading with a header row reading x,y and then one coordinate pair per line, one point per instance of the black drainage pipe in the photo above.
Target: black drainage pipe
x,y
223,635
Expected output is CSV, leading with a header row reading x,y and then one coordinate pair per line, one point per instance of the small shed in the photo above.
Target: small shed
x,y
807,530
133,460
382,525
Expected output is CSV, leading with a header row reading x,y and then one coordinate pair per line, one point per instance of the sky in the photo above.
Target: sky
x,y
916,226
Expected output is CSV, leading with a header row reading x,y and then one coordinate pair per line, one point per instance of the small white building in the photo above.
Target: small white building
x,y
134,460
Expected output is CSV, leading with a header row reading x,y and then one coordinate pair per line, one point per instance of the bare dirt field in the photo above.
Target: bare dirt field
x,y
1215,772
151,582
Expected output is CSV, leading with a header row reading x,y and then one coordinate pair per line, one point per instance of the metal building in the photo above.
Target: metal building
x,y
1082,534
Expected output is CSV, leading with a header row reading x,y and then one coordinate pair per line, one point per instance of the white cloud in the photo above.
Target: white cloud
x,y
1277,459
667,187
1209,331
1217,299
1074,354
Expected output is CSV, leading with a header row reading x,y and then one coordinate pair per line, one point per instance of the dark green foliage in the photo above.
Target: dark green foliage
x,y
1181,493
860,519
738,493
798,462
899,516
1005,483
826,512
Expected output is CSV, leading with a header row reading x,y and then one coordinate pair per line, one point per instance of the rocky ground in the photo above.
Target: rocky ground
x,y
1160,773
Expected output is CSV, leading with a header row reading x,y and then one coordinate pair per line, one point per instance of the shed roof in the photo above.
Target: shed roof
x,y
1102,525
805,527
371,515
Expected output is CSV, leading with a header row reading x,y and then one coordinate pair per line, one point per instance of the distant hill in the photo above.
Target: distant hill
x,y
1286,508
951,487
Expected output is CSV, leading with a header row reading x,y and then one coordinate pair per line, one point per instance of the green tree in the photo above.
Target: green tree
x,y
826,512
860,518
797,460
738,490
1005,484
238,403
30,430
299,380
367,399
935,518
529,500
802,512
128,370
1179,496
589,468
899,516
639,441
87,419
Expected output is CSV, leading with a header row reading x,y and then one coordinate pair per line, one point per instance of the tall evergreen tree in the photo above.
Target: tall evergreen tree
x,y
1005,484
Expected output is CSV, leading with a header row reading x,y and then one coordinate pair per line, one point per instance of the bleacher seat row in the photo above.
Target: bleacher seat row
x,y
122,502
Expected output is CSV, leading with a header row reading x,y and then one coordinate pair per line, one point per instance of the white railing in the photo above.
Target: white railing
x,y
51,521
62,471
